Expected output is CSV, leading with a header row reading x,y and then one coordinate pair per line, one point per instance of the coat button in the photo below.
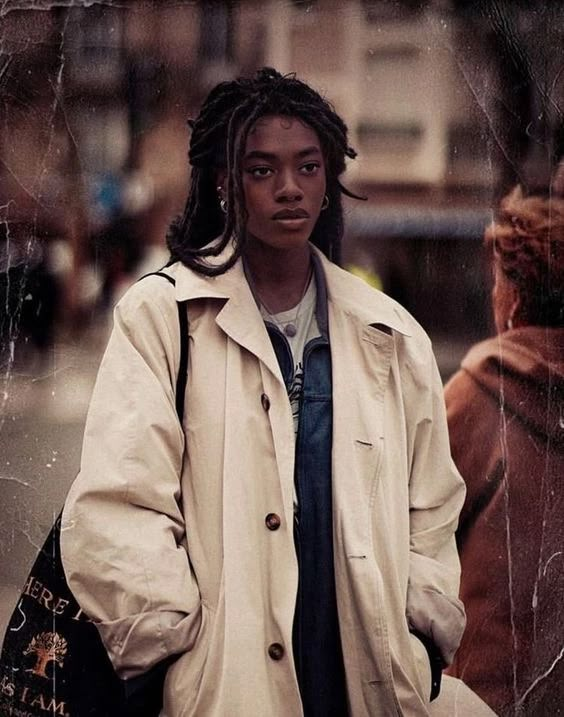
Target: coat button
x,y
276,651
265,402
272,521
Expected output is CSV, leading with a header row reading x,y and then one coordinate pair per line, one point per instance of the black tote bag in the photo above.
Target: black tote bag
x,y
53,661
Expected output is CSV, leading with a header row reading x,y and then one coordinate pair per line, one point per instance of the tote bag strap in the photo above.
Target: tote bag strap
x,y
182,376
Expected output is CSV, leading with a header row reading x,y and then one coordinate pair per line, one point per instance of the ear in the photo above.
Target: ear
x,y
220,182
516,318
507,303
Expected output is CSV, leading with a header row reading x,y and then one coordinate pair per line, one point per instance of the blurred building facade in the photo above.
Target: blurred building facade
x,y
449,103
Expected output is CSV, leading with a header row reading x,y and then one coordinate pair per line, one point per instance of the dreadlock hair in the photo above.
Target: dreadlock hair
x,y
218,141
527,240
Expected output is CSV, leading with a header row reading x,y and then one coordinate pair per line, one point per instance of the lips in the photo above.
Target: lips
x,y
291,214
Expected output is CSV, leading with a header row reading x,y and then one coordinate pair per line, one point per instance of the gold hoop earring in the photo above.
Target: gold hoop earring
x,y
223,205
325,203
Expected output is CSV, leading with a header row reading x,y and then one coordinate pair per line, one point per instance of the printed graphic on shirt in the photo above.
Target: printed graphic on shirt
x,y
305,328
295,393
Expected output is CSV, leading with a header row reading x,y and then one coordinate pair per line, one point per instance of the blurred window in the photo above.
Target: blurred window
x,y
317,30
216,28
378,10
389,138
468,153
95,37
396,75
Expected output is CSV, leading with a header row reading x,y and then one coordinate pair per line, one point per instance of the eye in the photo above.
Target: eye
x,y
260,172
310,168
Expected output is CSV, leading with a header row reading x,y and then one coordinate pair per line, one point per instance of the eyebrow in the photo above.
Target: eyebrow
x,y
271,157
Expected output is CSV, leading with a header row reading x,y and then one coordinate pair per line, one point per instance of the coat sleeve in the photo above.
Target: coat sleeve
x,y
436,495
123,535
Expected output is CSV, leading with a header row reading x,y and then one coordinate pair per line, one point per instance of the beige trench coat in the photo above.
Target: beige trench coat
x,y
164,539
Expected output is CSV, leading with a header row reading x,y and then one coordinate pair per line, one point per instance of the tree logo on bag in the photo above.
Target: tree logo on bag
x,y
48,647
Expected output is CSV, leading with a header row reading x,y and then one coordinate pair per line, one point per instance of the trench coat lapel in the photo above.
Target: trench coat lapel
x,y
241,320
239,317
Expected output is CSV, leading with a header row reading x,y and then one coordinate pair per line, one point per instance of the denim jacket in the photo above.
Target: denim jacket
x,y
316,641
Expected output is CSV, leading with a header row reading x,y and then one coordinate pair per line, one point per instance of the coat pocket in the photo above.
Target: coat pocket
x,y
184,678
368,459
422,667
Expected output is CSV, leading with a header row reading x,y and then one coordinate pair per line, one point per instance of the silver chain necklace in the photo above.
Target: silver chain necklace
x,y
290,328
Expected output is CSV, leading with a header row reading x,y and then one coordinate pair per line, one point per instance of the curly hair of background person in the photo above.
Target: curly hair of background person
x,y
527,239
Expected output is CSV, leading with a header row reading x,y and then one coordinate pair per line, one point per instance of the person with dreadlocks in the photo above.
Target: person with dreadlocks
x,y
291,544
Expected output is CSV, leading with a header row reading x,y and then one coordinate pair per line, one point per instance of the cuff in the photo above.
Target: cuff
x,y
138,642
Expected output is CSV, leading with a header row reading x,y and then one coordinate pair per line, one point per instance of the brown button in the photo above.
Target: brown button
x,y
265,402
276,651
272,521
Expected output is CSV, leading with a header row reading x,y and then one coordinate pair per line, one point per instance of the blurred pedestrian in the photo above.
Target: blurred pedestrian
x,y
292,543
505,412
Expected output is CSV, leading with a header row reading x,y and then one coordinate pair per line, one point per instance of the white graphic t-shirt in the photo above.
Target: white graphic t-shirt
x,y
306,328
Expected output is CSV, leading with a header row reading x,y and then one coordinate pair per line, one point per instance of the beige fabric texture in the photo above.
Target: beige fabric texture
x,y
164,539
458,700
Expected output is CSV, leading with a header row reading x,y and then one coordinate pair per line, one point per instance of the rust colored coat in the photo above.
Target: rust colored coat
x,y
506,420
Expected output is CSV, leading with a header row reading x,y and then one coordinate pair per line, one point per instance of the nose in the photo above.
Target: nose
x,y
288,189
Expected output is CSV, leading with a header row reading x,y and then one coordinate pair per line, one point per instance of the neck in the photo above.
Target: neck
x,y
279,276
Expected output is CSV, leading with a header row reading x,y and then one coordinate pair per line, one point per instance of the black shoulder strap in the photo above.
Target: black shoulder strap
x,y
182,376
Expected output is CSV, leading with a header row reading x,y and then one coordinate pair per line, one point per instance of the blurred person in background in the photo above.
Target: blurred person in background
x,y
291,545
43,224
505,411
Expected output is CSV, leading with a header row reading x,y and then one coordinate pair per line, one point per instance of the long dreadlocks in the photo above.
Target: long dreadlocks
x,y
219,137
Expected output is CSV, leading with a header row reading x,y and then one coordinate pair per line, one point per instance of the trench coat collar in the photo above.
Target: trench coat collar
x,y
239,317
369,306
361,301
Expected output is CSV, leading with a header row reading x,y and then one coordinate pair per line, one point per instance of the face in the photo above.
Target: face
x,y
284,181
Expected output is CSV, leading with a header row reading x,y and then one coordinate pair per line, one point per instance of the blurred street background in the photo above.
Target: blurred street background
x,y
450,103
